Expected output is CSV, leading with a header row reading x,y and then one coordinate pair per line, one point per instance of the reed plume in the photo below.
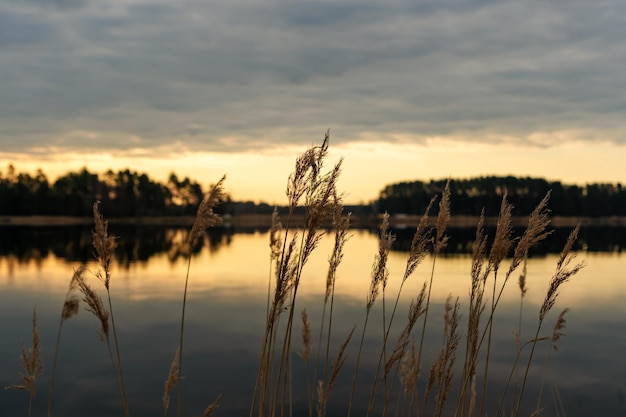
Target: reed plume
x,y
443,372
104,246
416,309
32,364
308,166
443,218
558,330
324,388
172,379
208,412
205,217
96,307
535,232
380,273
419,243
563,273
306,337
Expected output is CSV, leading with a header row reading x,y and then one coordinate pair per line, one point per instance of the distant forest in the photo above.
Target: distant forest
x,y
470,196
128,194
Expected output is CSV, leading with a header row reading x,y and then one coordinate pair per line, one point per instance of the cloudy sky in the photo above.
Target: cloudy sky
x,y
409,89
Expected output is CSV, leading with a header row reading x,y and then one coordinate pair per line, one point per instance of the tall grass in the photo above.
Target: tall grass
x,y
404,383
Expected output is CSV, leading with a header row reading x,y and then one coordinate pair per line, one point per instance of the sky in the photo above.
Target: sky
x,y
410,90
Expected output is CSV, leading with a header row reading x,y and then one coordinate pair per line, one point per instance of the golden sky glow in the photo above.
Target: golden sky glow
x,y
367,166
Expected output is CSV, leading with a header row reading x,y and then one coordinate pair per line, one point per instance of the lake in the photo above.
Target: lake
x,y
225,319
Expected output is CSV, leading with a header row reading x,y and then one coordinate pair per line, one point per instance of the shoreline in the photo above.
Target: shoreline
x,y
263,220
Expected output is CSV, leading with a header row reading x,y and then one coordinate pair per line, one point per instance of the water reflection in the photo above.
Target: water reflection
x,y
591,238
74,243
228,285
141,243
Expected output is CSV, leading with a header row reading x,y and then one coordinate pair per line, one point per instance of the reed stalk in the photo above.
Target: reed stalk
x,y
104,246
535,232
564,271
70,308
499,250
205,218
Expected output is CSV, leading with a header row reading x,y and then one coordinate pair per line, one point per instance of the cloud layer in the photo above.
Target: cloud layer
x,y
247,75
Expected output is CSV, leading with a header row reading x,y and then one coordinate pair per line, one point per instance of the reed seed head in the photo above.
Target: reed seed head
x,y
275,241
443,217
32,363
70,307
535,232
379,269
342,223
96,307
415,311
563,273
104,245
502,242
338,362
522,277
172,379
409,370
306,337
419,244
72,301
211,408
559,328
322,202
205,216
307,169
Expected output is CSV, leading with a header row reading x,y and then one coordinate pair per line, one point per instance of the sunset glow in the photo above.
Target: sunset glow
x,y
367,166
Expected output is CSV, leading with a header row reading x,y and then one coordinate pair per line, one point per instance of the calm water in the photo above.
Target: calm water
x,y
225,319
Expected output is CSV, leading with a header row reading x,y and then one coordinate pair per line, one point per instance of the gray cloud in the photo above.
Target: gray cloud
x,y
91,75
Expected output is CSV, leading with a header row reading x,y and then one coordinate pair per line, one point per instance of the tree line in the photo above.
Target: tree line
x,y
122,193
470,196
127,193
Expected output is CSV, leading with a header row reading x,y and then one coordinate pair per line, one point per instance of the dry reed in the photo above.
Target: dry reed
x,y
70,309
205,217
104,247
32,364
208,412
564,271
306,337
172,379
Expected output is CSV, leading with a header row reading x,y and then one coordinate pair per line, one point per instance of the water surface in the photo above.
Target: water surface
x,y
225,321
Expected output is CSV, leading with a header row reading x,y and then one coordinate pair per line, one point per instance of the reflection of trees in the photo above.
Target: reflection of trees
x,y
24,247
134,244
593,239
140,243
